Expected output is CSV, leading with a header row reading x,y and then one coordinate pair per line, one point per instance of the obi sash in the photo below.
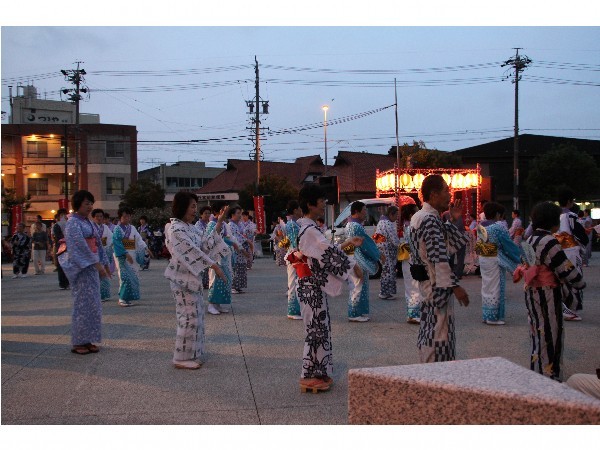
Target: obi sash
x,y
129,244
486,249
535,276
566,240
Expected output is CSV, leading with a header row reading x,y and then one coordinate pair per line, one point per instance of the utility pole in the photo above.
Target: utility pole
x,y
254,109
397,142
519,63
75,77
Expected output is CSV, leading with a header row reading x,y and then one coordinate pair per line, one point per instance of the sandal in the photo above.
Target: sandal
x,y
314,385
80,350
92,348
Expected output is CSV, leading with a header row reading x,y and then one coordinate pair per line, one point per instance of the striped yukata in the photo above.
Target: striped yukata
x,y
434,242
544,304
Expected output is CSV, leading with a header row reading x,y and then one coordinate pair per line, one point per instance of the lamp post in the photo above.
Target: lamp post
x,y
325,108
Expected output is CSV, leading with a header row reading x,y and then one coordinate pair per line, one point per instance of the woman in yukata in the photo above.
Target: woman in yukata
x,y
191,253
84,263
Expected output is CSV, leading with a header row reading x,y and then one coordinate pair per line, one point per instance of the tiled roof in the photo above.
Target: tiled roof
x,y
240,173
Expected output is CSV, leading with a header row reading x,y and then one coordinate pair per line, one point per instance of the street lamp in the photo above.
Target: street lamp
x,y
325,108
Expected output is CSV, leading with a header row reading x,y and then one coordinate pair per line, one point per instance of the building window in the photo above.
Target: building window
x,y
115,185
37,186
62,185
115,149
37,149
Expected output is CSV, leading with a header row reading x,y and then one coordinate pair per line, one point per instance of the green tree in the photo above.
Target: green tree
x,y
564,165
144,194
277,191
417,155
156,216
10,199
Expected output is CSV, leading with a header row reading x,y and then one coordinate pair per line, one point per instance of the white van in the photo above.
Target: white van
x,y
375,208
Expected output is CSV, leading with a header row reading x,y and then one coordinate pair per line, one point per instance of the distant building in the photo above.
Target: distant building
x,y
183,175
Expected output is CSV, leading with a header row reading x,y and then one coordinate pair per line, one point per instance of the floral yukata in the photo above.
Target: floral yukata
x,y
191,253
201,226
544,295
434,242
105,236
291,231
250,233
389,230
330,268
126,239
412,292
219,291
240,270
21,248
366,256
501,254
78,263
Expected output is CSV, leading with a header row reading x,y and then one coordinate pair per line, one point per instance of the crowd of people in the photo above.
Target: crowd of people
x,y
212,249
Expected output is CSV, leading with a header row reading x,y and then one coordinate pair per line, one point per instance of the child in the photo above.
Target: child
x,y
548,267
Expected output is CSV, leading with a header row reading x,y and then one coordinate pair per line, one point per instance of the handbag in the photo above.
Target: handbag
x,y
403,252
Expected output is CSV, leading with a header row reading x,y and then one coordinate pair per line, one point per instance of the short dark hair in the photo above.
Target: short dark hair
x,y
205,208
233,209
545,215
124,210
97,211
79,197
245,213
310,195
320,219
564,195
432,183
292,206
356,207
408,211
392,209
62,211
516,212
106,215
588,211
181,202
580,213
217,206
490,209
144,217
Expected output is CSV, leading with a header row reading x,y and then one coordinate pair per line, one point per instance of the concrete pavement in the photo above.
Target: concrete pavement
x,y
253,360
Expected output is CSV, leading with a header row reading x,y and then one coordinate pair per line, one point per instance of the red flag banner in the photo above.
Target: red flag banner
x,y
259,212
17,217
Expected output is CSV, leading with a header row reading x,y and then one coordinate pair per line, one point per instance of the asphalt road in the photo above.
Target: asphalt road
x,y
253,360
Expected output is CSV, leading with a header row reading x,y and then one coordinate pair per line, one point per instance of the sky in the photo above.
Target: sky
x,y
182,83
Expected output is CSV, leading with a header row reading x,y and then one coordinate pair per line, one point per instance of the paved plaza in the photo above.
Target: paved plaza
x,y
252,365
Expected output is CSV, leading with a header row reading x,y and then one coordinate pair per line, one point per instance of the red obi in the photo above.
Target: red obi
x,y
535,276
299,263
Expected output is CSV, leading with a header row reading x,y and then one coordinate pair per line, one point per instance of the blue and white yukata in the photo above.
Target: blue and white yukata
x,y
219,291
434,242
191,253
201,226
367,256
412,293
493,276
126,239
105,236
78,263
279,252
240,269
250,233
291,230
570,225
145,232
389,248
330,268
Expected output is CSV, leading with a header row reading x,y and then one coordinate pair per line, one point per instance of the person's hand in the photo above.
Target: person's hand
x,y
461,295
219,272
382,258
223,213
356,241
358,271
129,258
107,270
456,210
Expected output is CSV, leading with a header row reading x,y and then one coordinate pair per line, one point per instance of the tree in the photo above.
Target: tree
x,y
277,191
564,165
144,194
418,156
10,199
